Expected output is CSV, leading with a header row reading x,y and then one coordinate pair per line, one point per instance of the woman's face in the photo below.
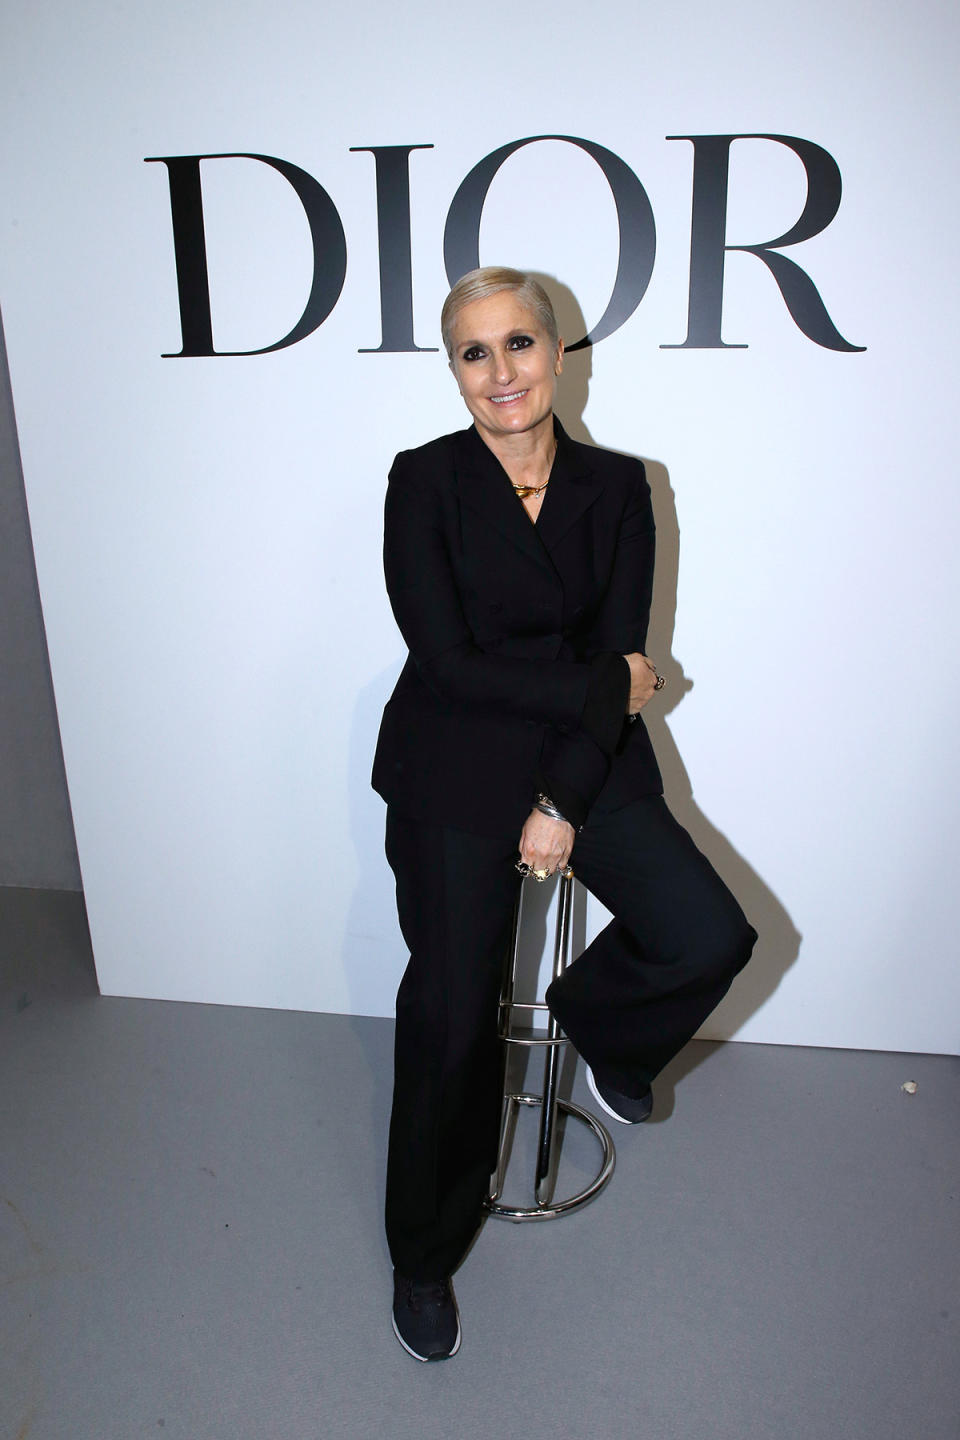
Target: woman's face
x,y
505,365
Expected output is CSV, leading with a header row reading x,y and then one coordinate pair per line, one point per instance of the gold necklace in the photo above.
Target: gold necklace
x,y
523,492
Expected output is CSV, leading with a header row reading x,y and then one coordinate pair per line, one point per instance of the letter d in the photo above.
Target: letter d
x,y
190,249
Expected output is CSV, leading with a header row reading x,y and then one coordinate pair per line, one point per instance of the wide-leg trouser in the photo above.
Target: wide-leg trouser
x,y
629,1003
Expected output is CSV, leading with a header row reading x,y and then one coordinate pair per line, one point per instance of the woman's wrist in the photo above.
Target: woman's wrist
x,y
545,805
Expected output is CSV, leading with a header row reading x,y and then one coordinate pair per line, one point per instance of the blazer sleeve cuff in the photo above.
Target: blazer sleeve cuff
x,y
571,804
605,708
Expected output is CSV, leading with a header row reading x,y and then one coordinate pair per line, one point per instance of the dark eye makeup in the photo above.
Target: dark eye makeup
x,y
516,342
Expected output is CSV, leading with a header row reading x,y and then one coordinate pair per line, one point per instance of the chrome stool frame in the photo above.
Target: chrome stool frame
x,y
546,1207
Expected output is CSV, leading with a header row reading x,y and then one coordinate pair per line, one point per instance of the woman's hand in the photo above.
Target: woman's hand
x,y
643,681
546,844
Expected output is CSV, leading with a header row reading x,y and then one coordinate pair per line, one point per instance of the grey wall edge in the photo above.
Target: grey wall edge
x,y
37,845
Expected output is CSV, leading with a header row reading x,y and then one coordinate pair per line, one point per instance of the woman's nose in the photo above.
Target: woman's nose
x,y
504,368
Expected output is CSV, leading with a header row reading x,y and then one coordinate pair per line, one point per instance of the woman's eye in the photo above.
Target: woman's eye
x,y
520,342
474,353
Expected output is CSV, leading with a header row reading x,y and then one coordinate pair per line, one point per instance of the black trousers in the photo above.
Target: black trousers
x,y
629,1003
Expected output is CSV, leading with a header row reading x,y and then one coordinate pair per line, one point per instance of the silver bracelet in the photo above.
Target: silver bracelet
x,y
546,806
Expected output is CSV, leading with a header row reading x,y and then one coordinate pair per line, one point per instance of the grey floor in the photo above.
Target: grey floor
x,y
190,1231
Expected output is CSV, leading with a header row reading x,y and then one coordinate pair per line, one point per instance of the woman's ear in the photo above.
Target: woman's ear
x,y
559,365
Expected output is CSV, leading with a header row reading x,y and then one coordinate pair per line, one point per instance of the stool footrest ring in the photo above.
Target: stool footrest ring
x,y
548,1210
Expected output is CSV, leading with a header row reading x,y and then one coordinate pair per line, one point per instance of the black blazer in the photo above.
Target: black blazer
x,y
508,626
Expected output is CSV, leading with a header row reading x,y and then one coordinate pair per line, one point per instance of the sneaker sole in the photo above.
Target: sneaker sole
x,y
592,1086
427,1358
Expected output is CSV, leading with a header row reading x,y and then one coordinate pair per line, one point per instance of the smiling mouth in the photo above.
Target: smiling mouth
x,y
508,399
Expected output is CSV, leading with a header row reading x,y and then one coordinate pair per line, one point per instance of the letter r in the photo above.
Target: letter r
x,y
708,247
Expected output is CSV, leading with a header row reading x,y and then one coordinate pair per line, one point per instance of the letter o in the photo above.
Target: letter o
x,y
635,223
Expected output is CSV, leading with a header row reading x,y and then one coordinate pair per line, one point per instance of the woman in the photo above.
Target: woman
x,y
519,566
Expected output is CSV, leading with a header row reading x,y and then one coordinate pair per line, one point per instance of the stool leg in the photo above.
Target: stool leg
x,y
546,1207
551,1066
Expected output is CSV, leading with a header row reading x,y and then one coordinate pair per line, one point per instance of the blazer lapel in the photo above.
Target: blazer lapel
x,y
573,488
484,487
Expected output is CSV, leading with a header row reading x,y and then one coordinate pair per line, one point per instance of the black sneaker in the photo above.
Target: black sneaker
x,y
619,1106
426,1320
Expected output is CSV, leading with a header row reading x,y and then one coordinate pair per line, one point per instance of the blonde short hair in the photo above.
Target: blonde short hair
x,y
490,280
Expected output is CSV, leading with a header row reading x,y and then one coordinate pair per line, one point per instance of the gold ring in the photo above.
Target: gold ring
x,y
661,681
540,875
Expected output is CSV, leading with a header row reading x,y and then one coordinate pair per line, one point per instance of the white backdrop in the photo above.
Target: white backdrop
x,y
207,530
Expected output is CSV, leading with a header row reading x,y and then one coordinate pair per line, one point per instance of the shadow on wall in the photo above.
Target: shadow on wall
x,y
779,942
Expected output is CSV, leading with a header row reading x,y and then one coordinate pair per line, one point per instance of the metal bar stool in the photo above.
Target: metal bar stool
x,y
546,1206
